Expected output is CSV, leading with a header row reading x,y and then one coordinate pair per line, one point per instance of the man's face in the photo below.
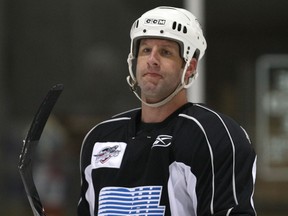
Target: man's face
x,y
159,68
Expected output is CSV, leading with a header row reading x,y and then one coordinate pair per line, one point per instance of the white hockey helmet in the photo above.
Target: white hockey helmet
x,y
170,23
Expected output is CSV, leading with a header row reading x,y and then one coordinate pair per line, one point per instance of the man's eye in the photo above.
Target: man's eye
x,y
166,53
146,50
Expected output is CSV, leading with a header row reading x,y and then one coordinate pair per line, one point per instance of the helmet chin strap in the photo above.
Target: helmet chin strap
x,y
131,80
133,86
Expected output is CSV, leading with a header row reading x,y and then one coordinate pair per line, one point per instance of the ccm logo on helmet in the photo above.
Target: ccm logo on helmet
x,y
155,21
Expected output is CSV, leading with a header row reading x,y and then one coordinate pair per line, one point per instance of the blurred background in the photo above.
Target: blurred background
x,y
84,45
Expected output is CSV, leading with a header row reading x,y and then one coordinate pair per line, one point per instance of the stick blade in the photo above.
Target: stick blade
x,y
29,145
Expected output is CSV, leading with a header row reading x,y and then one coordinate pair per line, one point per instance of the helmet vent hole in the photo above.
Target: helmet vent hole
x,y
179,27
174,25
137,23
144,30
185,30
162,31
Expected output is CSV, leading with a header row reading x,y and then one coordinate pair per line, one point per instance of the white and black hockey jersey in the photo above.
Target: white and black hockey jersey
x,y
196,162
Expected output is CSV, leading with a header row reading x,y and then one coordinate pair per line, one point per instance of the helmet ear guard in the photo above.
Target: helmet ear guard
x,y
168,23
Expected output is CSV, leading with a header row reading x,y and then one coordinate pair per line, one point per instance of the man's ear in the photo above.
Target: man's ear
x,y
191,70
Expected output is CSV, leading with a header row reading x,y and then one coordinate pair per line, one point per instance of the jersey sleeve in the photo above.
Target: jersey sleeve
x,y
99,133
83,208
233,167
222,159
242,168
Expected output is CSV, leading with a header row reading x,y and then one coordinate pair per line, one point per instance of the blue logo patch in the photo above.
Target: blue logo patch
x,y
117,201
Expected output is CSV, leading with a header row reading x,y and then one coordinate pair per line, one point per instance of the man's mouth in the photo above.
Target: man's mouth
x,y
152,74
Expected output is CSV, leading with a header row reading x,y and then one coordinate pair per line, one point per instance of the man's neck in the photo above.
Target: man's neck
x,y
159,114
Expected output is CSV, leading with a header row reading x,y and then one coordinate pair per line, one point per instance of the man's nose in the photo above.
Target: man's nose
x,y
153,58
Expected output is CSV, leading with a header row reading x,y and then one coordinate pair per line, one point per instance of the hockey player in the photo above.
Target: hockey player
x,y
169,157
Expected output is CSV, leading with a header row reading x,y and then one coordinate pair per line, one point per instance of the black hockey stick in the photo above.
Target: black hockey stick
x,y
29,146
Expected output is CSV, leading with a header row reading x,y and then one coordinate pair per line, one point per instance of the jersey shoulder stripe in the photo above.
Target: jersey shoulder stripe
x,y
106,122
126,113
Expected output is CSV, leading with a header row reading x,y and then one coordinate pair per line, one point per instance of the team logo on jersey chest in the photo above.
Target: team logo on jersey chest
x,y
107,154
